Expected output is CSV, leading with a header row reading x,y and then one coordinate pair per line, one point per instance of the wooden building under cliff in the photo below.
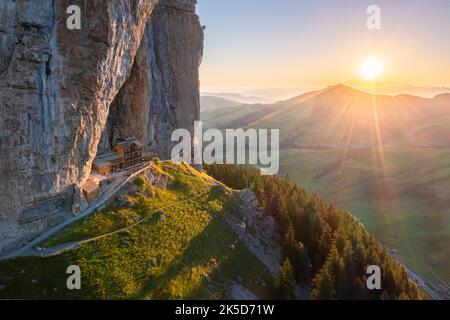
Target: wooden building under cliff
x,y
130,150
107,163
127,153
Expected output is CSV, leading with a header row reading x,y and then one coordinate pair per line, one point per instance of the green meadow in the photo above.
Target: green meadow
x,y
174,245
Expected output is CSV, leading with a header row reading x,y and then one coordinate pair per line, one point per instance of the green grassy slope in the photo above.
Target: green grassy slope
x,y
179,252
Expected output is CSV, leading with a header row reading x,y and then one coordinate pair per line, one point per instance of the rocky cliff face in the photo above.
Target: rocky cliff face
x,y
132,69
164,81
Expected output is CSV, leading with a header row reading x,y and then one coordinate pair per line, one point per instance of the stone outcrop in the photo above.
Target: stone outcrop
x,y
258,231
57,87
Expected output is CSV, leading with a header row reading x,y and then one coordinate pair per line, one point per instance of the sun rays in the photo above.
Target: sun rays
x,y
371,68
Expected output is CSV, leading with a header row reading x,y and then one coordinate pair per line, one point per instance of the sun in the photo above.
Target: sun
x,y
371,68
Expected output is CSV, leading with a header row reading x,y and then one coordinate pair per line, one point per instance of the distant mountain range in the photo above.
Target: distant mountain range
x,y
425,92
385,158
341,116
236,97
267,96
210,103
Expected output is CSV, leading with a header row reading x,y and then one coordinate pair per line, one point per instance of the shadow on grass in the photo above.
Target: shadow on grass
x,y
210,244
203,269
210,249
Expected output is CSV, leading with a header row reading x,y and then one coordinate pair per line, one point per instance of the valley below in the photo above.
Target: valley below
x,y
404,204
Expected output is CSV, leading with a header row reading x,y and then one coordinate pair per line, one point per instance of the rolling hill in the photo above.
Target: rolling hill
x,y
240,98
384,158
426,92
340,116
211,103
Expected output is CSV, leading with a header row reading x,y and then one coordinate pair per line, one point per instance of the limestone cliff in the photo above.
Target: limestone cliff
x,y
59,88
164,81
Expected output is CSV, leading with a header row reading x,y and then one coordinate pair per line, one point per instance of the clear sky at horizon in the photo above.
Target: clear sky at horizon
x,y
253,44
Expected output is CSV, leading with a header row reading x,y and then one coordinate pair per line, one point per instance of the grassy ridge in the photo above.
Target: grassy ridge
x,y
180,252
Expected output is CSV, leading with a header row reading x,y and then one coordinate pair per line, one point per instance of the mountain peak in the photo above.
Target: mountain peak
x,y
340,87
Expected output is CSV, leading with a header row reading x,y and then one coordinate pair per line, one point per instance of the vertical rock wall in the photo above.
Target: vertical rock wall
x,y
162,92
56,89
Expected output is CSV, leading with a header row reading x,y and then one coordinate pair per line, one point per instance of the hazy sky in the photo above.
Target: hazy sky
x,y
253,44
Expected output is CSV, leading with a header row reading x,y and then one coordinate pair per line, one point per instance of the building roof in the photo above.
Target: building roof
x,y
99,177
106,158
89,186
128,142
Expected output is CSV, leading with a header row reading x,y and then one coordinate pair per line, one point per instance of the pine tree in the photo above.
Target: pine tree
x,y
300,263
323,286
288,240
321,241
285,283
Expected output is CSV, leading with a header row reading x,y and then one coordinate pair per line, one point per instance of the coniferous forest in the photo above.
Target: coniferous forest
x,y
325,249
